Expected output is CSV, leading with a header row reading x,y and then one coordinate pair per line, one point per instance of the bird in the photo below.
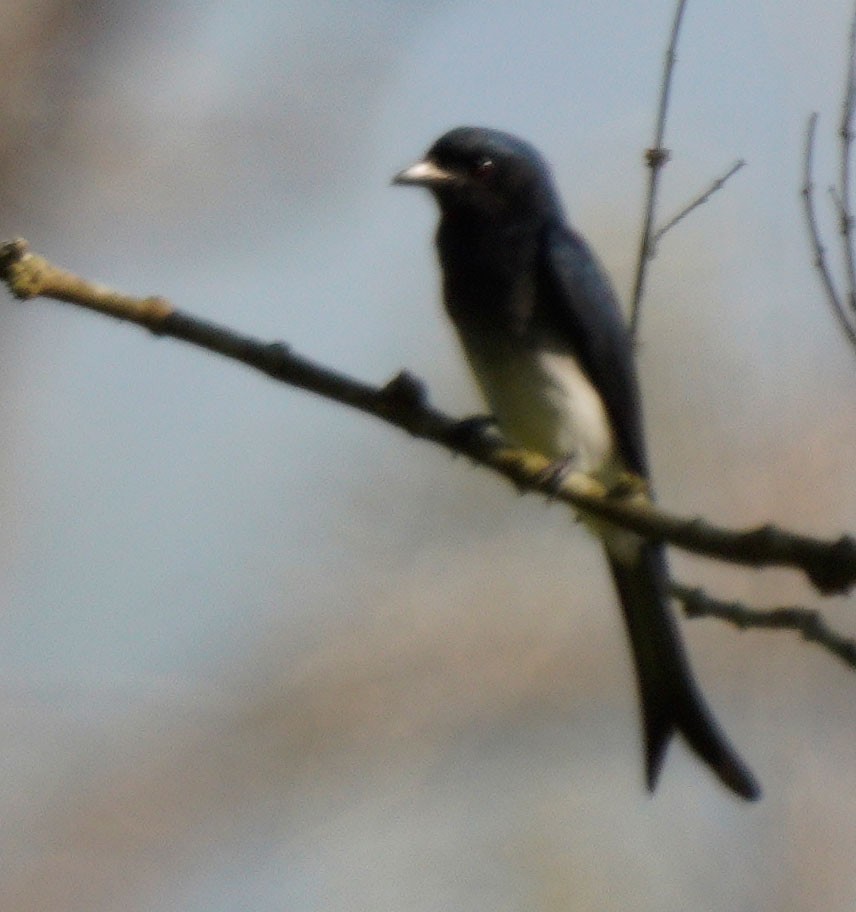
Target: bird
x,y
550,349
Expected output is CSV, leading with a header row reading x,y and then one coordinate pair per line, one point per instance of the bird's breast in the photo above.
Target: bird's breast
x,y
543,400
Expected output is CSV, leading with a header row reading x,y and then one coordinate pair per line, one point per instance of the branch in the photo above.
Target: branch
x,y
846,137
702,198
655,157
805,621
830,565
832,295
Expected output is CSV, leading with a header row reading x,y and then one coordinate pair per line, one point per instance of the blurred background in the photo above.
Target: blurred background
x,y
259,652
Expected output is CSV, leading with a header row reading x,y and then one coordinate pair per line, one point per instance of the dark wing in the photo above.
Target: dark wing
x,y
580,298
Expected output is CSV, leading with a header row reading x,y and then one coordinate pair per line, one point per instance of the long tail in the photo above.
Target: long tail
x,y
671,700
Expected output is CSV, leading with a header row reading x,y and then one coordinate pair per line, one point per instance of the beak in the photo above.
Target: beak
x,y
424,173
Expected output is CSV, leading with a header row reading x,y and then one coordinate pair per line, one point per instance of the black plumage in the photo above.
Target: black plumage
x,y
542,329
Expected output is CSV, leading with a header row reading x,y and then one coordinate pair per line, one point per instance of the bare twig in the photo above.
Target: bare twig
x,y
655,157
846,138
830,565
805,621
702,198
832,295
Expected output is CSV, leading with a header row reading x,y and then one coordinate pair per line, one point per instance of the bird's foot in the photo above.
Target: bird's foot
x,y
628,484
554,475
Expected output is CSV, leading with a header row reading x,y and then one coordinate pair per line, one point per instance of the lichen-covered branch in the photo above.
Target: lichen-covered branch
x,y
403,402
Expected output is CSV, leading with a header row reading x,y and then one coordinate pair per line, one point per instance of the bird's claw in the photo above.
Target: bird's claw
x,y
628,485
554,475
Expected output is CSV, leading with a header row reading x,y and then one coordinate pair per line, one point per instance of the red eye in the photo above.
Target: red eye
x,y
484,168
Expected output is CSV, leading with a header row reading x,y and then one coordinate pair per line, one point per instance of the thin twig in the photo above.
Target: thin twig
x,y
805,621
655,157
830,565
846,138
820,263
702,198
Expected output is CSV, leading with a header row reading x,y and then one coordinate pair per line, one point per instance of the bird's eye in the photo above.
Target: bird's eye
x,y
483,168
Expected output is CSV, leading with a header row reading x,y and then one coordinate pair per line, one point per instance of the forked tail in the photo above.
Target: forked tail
x,y
671,700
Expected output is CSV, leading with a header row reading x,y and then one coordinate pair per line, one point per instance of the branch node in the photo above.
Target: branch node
x,y
22,272
405,391
827,571
763,537
278,350
656,158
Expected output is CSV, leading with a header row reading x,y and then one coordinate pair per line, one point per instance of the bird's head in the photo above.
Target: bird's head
x,y
485,173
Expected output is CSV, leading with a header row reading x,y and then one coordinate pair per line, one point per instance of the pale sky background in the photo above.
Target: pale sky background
x,y
258,652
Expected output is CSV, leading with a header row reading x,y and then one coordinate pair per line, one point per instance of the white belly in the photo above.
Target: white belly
x,y
543,401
